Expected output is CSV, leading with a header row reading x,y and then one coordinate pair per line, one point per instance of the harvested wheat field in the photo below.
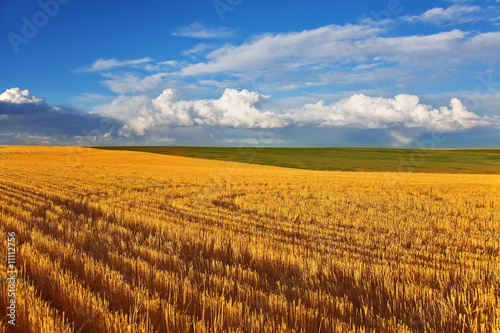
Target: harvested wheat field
x,y
114,241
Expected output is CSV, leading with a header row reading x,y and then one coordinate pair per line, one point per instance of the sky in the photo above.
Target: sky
x,y
342,73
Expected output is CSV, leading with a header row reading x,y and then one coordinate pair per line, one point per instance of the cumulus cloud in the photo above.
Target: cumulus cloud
x,y
124,107
360,111
453,14
245,109
18,96
237,109
198,30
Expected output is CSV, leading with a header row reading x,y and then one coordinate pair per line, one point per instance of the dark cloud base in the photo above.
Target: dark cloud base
x,y
28,123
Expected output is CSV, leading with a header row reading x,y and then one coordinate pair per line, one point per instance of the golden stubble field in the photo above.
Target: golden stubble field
x,y
112,241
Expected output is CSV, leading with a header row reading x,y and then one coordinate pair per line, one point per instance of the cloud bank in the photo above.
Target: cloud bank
x,y
245,109
360,111
26,119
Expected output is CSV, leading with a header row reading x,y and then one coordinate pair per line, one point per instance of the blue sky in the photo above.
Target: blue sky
x,y
393,73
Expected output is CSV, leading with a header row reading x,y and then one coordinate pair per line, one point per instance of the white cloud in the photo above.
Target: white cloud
x,y
238,109
329,55
124,107
363,112
483,100
242,109
330,48
453,14
413,46
18,96
400,138
198,30
105,64
271,50
482,46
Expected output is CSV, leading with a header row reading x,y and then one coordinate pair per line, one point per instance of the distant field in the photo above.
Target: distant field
x,y
470,161
119,241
